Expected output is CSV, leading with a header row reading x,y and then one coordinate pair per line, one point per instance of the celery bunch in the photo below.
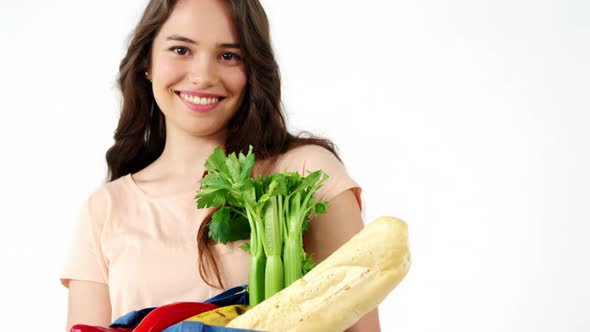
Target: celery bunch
x,y
273,211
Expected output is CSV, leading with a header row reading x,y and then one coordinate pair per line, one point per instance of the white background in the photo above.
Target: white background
x,y
467,119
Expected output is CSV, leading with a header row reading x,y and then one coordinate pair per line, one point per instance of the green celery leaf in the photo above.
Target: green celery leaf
x,y
257,188
226,226
279,184
245,246
273,186
305,225
233,166
269,186
310,179
249,196
321,207
214,191
216,181
233,201
216,161
292,181
215,198
247,163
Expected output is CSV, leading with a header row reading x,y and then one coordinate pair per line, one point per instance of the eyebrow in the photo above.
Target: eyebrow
x,y
190,41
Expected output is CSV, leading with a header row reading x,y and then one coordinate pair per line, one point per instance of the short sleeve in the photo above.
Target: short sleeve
x,y
309,158
86,260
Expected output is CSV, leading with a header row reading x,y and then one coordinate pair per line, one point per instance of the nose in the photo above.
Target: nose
x,y
203,71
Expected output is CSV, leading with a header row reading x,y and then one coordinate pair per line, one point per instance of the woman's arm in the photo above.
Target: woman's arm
x,y
327,232
88,303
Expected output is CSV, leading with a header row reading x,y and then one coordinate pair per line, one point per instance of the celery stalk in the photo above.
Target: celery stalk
x,y
293,260
273,278
257,262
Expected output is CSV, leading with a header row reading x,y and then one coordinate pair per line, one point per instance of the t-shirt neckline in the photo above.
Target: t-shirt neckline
x,y
137,189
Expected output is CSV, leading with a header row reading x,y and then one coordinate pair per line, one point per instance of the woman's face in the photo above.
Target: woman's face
x,y
197,73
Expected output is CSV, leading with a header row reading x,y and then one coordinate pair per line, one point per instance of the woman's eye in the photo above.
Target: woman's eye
x,y
179,50
228,56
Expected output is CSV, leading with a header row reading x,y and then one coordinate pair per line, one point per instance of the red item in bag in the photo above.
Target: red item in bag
x,y
88,328
169,314
158,319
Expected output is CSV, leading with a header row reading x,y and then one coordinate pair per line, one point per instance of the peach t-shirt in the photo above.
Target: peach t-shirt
x,y
144,247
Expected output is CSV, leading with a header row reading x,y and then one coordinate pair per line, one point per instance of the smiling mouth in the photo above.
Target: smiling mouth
x,y
203,101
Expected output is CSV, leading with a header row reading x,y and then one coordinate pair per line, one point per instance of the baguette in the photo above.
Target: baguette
x,y
340,290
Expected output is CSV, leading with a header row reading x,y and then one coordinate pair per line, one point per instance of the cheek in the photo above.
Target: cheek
x,y
235,81
167,71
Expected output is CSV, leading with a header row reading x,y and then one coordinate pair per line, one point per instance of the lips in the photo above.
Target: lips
x,y
199,101
199,94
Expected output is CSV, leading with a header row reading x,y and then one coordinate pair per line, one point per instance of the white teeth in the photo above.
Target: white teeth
x,y
197,100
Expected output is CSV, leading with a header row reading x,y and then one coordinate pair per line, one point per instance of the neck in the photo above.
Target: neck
x,y
184,155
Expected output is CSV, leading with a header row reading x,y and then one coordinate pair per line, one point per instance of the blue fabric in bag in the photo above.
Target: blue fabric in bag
x,y
236,295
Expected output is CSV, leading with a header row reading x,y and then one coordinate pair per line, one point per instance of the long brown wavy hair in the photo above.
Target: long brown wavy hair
x,y
141,133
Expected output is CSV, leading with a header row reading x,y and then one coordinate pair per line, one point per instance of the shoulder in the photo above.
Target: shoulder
x,y
310,150
307,158
104,198
111,190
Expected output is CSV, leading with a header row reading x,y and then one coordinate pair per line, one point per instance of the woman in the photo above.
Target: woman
x,y
197,74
